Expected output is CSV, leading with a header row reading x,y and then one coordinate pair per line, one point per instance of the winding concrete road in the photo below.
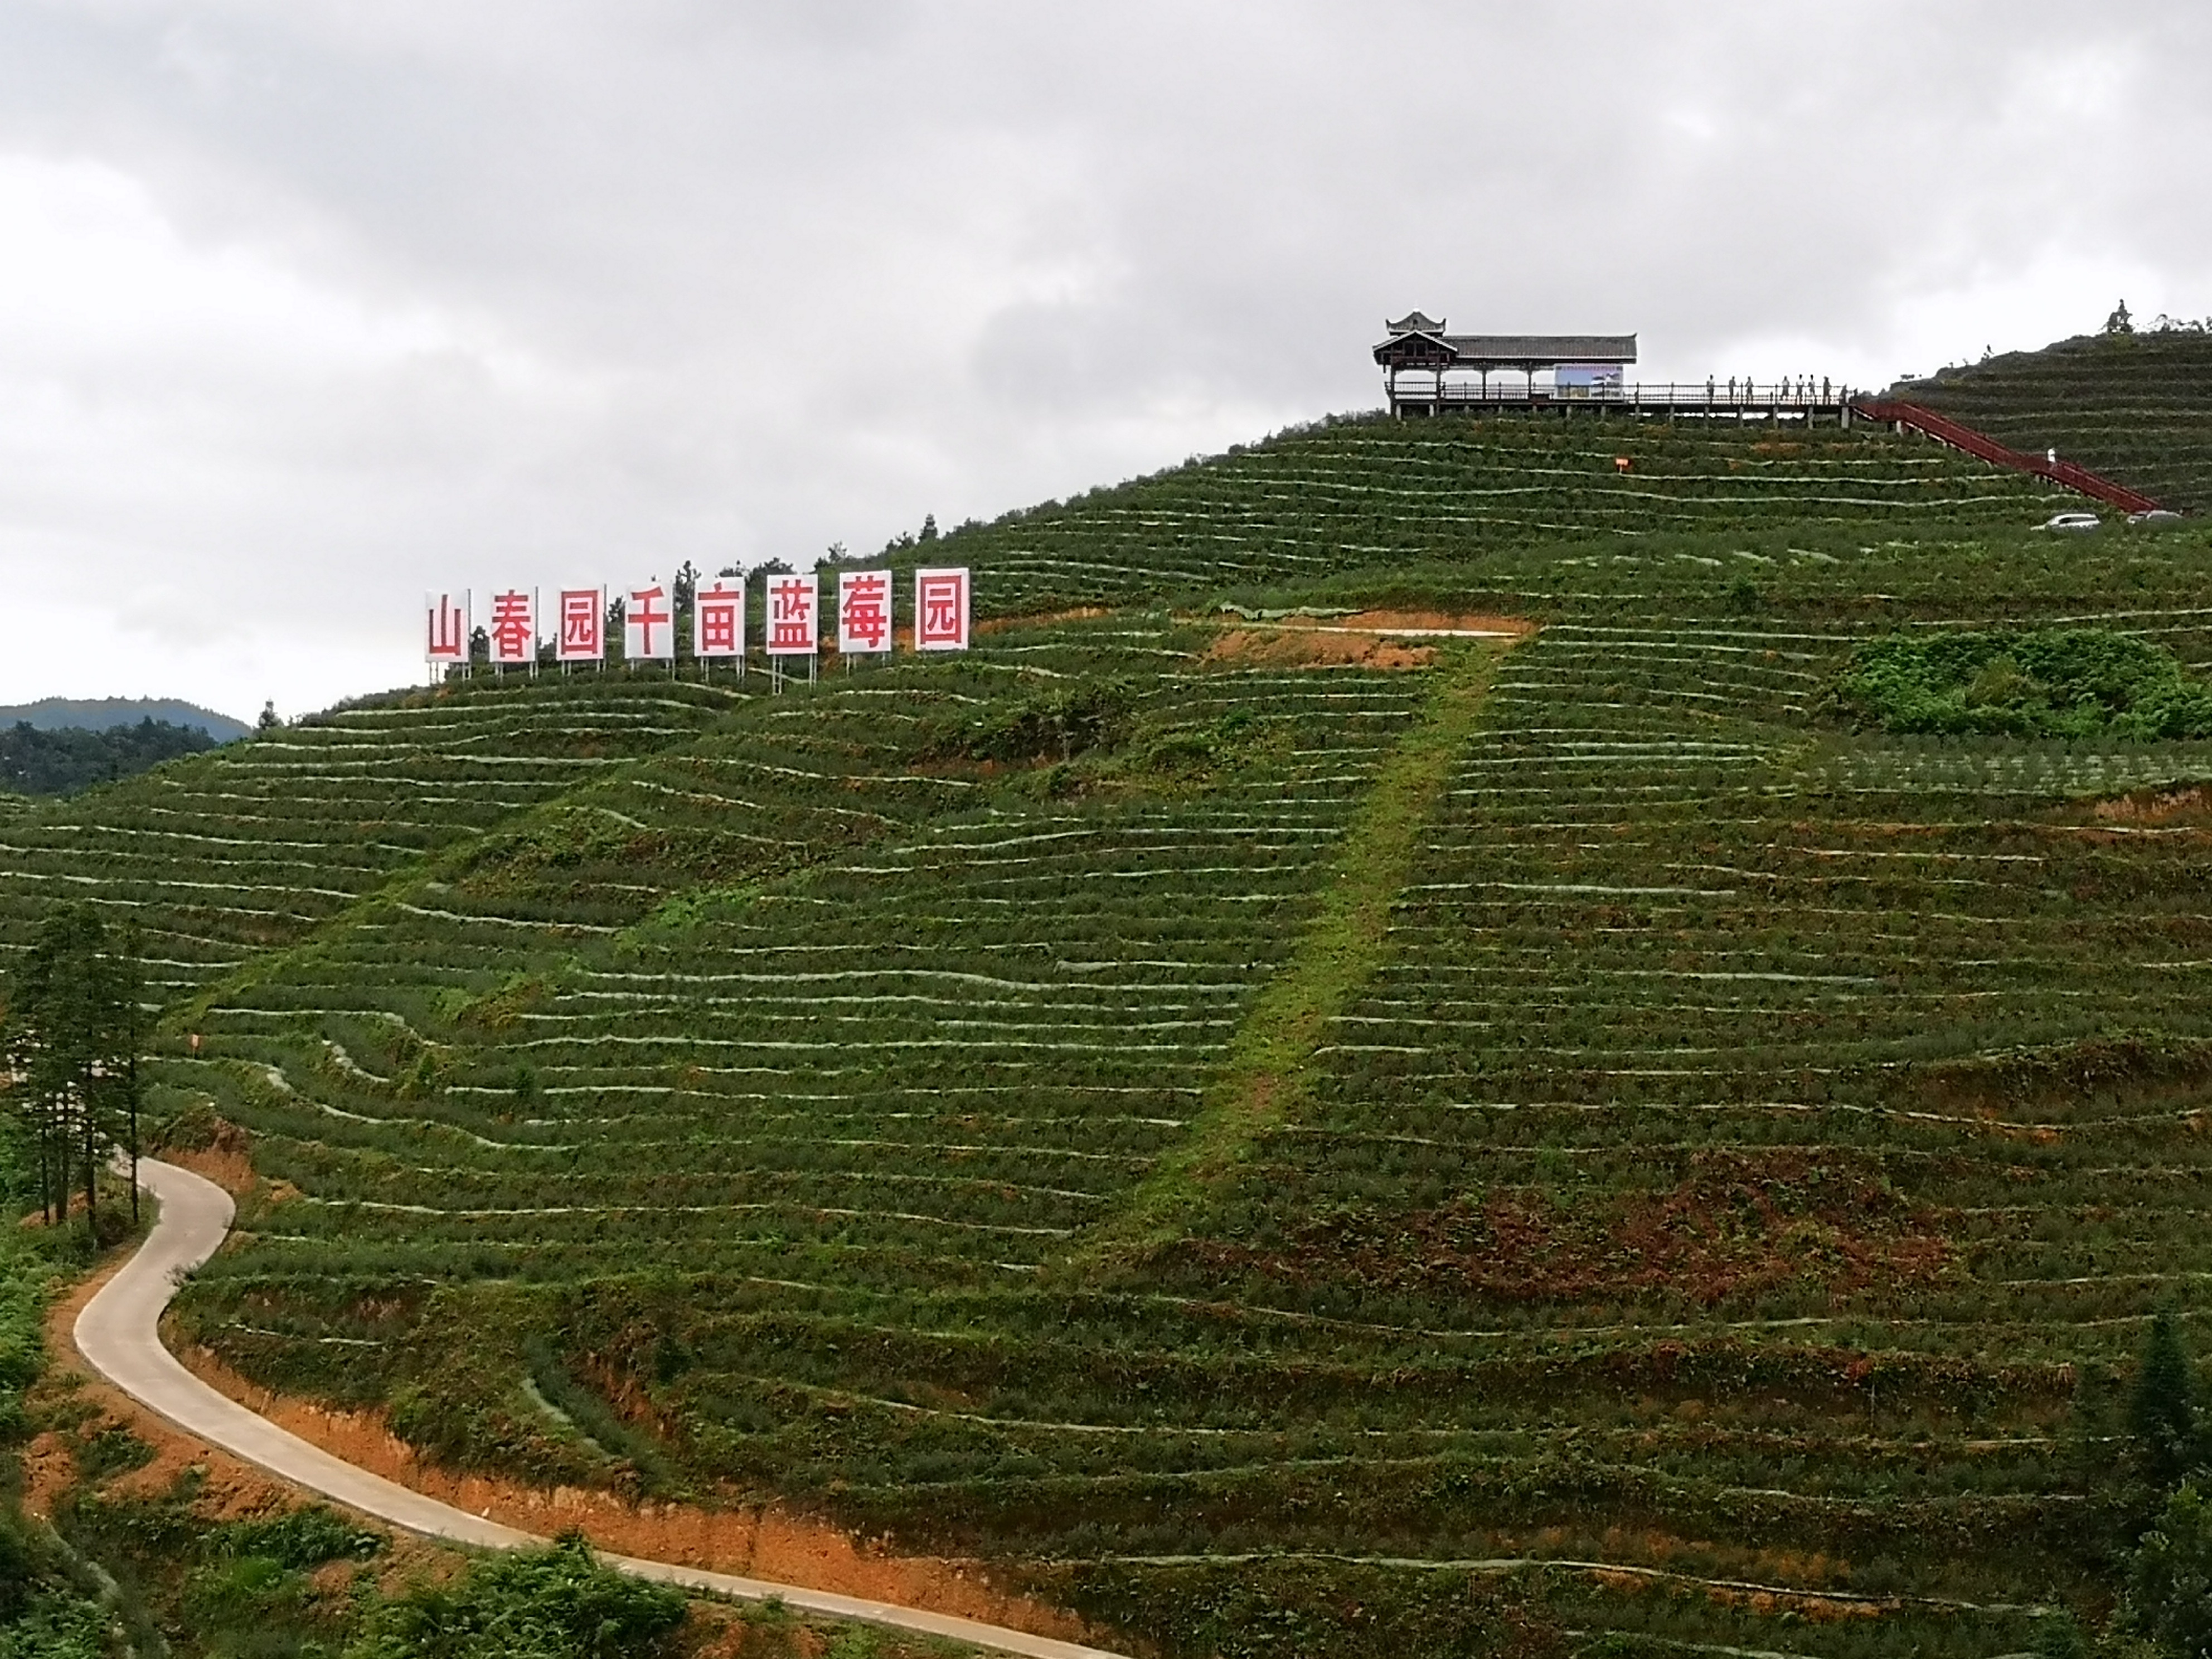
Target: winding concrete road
x,y
119,1333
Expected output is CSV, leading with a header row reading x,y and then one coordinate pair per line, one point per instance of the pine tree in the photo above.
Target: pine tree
x,y
73,1029
2162,1408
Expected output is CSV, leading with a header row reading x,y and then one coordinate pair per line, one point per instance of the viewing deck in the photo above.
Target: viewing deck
x,y
1804,402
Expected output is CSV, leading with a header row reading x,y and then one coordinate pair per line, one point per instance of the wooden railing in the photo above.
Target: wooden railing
x,y
1824,397
1945,430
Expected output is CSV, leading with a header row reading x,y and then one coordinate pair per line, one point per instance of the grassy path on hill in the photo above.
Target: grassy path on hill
x,y
1331,964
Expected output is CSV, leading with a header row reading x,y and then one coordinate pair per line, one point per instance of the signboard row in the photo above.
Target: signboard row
x,y
793,619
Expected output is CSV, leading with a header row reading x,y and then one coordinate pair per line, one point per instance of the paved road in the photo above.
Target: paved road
x,y
119,1335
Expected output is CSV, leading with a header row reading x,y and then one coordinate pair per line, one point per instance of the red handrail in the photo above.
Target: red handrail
x,y
1945,430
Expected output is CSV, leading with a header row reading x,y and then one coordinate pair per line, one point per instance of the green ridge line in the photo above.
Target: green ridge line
x,y
1331,964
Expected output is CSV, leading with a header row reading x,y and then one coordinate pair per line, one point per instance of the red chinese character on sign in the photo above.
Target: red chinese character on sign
x,y
940,610
718,621
647,610
514,627
582,621
791,615
864,610
447,629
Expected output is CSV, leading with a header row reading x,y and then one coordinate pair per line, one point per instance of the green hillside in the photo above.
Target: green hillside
x,y
2135,407
1612,1142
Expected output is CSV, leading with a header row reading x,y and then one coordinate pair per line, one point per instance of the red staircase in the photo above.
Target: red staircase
x,y
1896,412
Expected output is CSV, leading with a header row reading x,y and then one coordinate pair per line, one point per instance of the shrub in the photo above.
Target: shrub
x,y
554,1603
2051,682
2170,1583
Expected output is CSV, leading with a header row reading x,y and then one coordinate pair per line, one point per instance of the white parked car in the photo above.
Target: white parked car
x,y
2155,515
2071,521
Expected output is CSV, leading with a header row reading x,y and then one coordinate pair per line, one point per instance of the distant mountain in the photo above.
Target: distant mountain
x,y
99,713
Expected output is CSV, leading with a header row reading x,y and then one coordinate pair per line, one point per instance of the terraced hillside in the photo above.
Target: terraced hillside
x,y
1357,496
1552,1142
251,846
2135,407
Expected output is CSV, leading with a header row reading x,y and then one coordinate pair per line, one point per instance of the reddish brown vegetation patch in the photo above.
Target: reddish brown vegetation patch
x,y
1042,619
1282,649
2193,804
1733,1226
1413,622
2095,1074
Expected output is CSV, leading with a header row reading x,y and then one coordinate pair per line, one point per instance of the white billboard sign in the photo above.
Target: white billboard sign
x,y
718,620
795,618
583,622
514,626
940,610
649,624
446,618
863,611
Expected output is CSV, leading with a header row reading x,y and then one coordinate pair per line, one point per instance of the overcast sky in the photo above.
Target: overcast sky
x,y
306,306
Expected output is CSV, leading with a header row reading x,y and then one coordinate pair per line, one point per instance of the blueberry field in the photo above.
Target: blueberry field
x,y
1562,1134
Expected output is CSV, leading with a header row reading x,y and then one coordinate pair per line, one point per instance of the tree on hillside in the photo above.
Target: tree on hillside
x,y
2169,1595
2162,1407
36,761
74,1028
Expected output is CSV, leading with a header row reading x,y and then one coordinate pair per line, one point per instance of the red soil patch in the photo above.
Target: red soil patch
x,y
224,1156
757,1541
1368,638
229,1167
1271,648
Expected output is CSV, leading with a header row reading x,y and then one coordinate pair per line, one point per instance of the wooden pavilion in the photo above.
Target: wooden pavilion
x,y
1422,348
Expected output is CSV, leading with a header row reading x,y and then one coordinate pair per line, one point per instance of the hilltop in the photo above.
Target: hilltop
x,y
2137,407
1433,1045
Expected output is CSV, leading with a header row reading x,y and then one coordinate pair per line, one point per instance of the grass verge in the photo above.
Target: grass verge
x,y
1331,964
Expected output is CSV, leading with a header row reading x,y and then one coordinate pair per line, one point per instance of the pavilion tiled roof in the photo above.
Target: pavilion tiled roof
x,y
1542,349
1515,350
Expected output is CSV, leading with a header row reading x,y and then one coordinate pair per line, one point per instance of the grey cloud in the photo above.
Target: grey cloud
x,y
588,285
